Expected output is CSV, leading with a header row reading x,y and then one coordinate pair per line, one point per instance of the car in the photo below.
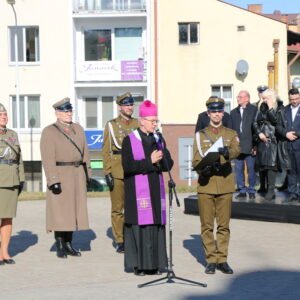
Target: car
x,y
97,184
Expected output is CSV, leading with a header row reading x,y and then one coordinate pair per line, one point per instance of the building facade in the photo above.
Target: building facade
x,y
176,53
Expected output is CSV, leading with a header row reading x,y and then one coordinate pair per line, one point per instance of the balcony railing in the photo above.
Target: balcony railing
x,y
108,6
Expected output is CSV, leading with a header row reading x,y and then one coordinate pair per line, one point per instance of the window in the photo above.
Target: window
x,y
28,44
29,113
91,112
225,92
137,101
98,111
188,33
107,109
97,45
128,43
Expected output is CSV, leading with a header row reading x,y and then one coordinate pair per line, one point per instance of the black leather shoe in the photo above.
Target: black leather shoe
x,y
69,250
251,196
60,249
153,272
138,272
120,248
261,190
2,263
241,196
9,261
291,198
224,267
210,268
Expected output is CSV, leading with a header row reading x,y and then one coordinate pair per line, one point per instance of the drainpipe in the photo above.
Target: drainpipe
x,y
271,75
276,63
155,54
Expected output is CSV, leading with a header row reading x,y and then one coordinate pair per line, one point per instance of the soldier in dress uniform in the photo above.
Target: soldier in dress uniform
x,y
114,133
216,185
66,164
11,183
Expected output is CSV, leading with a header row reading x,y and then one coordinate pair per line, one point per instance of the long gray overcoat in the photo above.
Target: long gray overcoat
x,y
68,210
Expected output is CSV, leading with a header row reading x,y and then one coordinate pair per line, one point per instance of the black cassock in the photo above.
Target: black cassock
x,y
145,245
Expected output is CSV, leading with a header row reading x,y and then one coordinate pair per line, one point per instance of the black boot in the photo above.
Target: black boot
x,y
271,185
68,235
60,250
262,178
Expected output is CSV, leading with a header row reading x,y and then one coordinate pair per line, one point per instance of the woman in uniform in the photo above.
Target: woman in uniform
x,y
11,183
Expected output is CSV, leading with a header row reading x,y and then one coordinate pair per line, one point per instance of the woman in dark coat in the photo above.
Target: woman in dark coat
x,y
267,143
144,158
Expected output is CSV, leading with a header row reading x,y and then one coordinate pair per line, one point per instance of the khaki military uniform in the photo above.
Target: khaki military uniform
x,y
11,172
114,133
66,211
215,192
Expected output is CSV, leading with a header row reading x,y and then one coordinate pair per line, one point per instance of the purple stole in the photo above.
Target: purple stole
x,y
142,188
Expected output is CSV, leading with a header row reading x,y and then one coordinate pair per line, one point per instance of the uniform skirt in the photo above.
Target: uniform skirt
x,y
8,202
145,247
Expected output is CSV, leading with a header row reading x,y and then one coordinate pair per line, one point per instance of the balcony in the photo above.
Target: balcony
x,y
108,6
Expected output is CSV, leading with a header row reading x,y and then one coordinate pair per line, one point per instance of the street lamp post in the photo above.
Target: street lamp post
x,y
11,3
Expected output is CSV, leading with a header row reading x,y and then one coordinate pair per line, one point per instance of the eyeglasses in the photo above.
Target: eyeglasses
x,y
153,122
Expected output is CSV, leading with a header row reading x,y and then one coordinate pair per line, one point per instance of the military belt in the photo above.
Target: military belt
x,y
116,152
69,163
8,161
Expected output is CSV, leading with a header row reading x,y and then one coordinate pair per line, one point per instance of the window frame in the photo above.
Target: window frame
x,y
25,129
12,42
189,33
228,101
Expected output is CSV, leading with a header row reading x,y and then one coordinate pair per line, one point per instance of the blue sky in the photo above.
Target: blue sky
x,y
285,6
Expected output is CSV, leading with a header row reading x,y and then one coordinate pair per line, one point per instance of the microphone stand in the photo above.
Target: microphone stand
x,y
170,273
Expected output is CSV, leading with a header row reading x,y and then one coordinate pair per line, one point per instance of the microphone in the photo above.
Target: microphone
x,y
158,140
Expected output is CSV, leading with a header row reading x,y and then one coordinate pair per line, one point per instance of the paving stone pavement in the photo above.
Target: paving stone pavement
x,y
265,257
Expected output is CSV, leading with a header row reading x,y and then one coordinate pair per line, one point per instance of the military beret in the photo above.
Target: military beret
x,y
262,88
125,99
215,103
63,105
2,108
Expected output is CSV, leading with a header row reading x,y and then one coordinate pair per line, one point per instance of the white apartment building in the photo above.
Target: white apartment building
x,y
88,50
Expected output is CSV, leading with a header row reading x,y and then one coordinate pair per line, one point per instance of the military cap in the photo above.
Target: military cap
x,y
215,103
262,88
63,105
125,99
2,108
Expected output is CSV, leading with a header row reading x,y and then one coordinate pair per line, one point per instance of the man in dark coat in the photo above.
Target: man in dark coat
x,y
242,119
289,129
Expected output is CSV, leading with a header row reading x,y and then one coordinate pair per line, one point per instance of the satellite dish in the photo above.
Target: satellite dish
x,y
242,67
296,83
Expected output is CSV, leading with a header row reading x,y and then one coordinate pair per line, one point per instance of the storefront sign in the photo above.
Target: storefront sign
x,y
128,70
94,139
